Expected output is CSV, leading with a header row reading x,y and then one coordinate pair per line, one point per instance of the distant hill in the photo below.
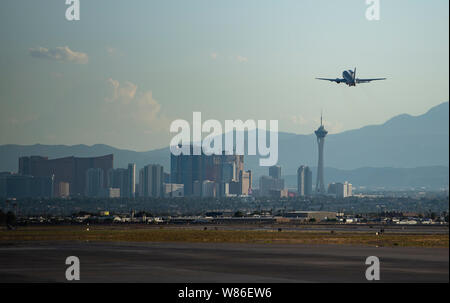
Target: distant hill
x,y
402,142
431,177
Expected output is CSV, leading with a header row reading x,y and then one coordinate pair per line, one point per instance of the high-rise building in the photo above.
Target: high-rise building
x,y
63,189
278,193
239,163
208,189
332,189
173,190
321,133
30,165
118,178
70,169
274,182
141,183
124,179
166,178
110,192
275,172
187,169
304,181
268,184
245,180
349,190
94,182
234,188
131,191
197,189
223,189
25,186
340,190
228,172
151,181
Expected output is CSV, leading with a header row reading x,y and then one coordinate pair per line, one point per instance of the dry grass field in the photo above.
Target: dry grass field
x,y
217,235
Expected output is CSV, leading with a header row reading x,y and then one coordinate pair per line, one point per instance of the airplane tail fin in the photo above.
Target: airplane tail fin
x,y
354,74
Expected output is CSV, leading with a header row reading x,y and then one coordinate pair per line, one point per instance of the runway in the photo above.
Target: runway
x,y
218,263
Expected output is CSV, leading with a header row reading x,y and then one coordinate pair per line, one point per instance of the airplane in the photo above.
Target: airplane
x,y
349,78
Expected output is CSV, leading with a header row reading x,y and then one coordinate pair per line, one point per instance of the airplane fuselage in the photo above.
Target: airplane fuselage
x,y
349,77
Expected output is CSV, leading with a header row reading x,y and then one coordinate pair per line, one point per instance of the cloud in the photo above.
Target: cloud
x,y
61,53
148,109
122,93
241,59
140,109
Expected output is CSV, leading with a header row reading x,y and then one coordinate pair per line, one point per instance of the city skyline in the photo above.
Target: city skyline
x,y
116,80
419,132
202,175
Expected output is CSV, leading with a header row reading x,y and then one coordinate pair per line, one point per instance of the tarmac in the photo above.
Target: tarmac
x,y
218,263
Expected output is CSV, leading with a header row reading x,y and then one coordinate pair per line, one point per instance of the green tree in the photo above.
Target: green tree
x,y
2,217
238,214
10,220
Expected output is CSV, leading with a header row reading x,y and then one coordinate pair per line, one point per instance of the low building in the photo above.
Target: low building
x,y
308,215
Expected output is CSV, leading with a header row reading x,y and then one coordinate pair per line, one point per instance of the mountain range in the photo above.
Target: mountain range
x,y
387,178
387,150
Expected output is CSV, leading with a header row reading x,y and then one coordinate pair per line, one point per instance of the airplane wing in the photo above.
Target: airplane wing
x,y
332,80
368,80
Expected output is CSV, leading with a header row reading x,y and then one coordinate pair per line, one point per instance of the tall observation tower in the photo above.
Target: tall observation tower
x,y
321,134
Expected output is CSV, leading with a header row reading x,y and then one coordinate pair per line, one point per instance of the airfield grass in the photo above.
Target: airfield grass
x,y
211,235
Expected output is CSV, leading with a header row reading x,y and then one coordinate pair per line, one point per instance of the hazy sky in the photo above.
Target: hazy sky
x,y
122,73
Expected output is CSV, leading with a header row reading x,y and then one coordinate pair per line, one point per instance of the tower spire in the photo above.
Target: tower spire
x,y
321,133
